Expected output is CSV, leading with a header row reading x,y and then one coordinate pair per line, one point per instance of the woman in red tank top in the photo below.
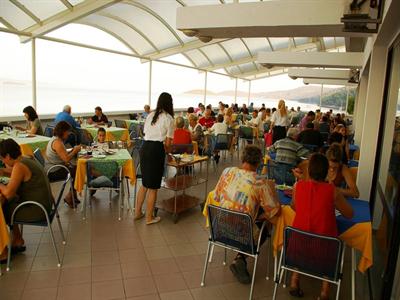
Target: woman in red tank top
x,y
314,201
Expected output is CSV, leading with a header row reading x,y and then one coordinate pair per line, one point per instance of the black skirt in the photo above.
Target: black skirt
x,y
278,133
152,160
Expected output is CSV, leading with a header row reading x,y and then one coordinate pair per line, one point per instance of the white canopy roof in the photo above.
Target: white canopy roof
x,y
147,28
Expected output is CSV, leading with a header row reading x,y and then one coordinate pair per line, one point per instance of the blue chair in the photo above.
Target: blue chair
x,y
233,230
103,175
281,172
120,123
312,255
48,220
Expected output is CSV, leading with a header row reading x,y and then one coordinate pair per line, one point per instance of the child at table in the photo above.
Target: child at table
x,y
101,138
314,201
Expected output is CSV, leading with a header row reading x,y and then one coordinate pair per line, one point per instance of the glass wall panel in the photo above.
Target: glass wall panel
x,y
269,90
220,88
15,75
242,91
186,85
334,97
86,78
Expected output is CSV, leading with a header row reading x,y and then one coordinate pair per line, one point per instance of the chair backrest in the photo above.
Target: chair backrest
x,y
313,254
182,148
223,141
133,116
120,123
280,172
325,136
267,126
246,132
231,228
49,131
60,194
37,154
135,152
311,148
136,130
107,168
85,137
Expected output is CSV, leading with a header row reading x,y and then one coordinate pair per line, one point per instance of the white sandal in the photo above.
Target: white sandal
x,y
154,221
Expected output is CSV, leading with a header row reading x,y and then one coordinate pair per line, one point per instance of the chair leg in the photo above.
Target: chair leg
x,y
253,277
9,249
224,262
268,257
338,290
353,274
60,227
84,202
203,277
54,242
371,293
211,254
73,194
134,195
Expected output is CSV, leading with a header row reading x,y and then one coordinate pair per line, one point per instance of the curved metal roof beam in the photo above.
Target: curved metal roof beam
x,y
110,33
250,54
181,2
229,57
155,15
26,11
205,55
138,31
67,4
190,59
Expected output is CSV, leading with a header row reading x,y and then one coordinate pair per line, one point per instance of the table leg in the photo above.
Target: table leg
x,y
353,274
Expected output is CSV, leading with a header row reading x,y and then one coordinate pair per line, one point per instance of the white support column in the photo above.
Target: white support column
x,y
236,85
150,80
248,97
370,128
205,88
34,101
320,96
359,109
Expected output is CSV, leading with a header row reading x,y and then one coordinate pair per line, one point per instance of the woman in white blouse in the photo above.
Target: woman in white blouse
x,y
279,122
158,135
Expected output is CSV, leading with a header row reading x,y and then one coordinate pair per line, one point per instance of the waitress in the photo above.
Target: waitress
x,y
279,122
158,135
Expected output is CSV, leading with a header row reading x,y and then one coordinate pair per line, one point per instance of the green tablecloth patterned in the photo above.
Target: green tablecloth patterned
x,y
28,144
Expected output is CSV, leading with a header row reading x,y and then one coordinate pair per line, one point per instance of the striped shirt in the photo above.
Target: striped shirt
x,y
288,151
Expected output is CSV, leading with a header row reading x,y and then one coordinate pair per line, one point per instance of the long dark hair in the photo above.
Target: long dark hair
x,y
164,103
31,112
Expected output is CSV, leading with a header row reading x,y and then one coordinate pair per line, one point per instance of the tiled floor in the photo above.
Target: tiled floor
x,y
109,259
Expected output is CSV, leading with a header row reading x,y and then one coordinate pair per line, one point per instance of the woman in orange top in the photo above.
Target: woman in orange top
x,y
314,201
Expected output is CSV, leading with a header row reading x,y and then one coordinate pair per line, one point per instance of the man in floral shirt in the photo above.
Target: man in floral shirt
x,y
239,189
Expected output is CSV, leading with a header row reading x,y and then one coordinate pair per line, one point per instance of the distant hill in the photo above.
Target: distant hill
x,y
304,92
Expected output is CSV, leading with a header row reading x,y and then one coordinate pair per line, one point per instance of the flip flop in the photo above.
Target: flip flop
x,y
154,221
142,214
296,292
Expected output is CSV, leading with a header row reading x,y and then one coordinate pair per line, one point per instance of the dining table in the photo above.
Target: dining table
x,y
120,156
112,133
28,142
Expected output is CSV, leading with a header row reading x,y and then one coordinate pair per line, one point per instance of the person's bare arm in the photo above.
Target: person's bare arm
x,y
62,153
19,173
351,190
168,144
294,198
33,130
342,205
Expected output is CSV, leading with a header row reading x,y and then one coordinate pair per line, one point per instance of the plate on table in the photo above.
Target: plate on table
x,y
110,152
4,180
98,156
283,187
